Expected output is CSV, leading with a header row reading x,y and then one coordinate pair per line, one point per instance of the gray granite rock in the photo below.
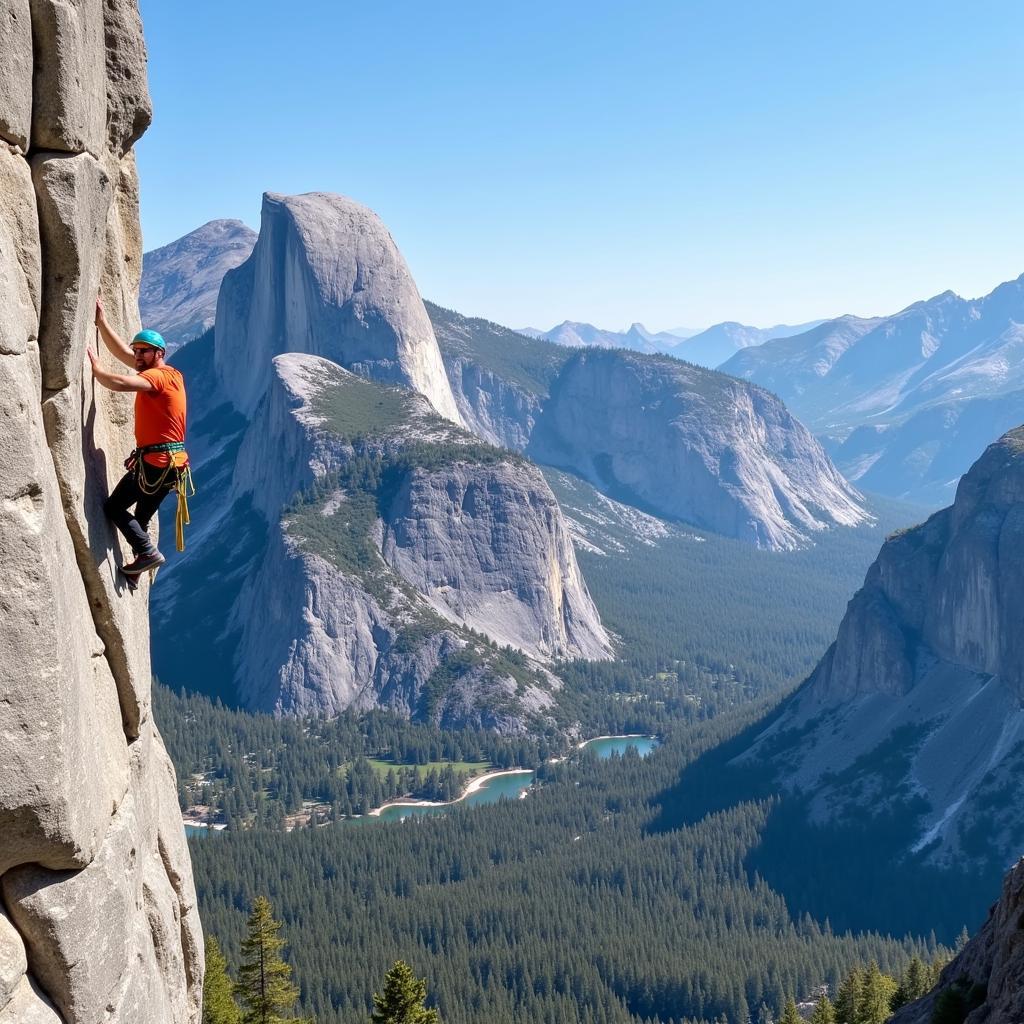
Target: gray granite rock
x,y
28,1005
20,257
93,862
953,584
494,409
477,544
116,937
15,73
13,963
928,664
695,445
74,195
69,93
488,547
129,109
326,278
64,713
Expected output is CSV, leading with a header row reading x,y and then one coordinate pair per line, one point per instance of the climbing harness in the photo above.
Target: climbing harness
x,y
176,478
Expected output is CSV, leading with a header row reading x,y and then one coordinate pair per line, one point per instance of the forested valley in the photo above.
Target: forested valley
x,y
575,904
570,905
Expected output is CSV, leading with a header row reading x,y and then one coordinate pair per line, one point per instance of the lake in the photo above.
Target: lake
x,y
606,746
507,785
512,785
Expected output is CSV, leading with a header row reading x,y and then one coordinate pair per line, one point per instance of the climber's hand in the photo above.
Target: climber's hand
x,y
100,315
93,361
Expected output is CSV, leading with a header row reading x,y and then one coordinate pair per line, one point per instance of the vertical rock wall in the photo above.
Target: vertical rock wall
x,y
99,918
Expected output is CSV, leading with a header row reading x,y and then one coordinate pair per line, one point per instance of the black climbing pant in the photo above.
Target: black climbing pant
x,y
128,493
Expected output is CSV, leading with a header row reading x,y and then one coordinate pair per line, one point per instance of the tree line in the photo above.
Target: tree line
x,y
571,906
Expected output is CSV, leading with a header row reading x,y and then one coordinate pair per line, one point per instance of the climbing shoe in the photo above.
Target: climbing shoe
x,y
143,563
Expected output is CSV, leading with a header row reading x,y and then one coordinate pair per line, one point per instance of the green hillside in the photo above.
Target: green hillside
x,y
527,362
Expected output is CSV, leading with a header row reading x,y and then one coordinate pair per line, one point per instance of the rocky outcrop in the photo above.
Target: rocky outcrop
x,y
492,407
693,445
928,664
96,927
408,545
500,378
984,984
951,587
325,278
181,281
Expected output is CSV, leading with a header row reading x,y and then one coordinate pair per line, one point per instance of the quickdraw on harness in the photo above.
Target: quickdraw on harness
x,y
177,478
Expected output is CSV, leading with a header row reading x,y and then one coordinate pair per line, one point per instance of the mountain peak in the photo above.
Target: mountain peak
x,y
328,267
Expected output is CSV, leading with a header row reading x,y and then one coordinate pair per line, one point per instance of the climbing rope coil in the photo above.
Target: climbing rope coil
x,y
182,482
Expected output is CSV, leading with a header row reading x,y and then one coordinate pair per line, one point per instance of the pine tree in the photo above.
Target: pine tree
x,y
824,1011
401,1002
915,983
874,1006
848,997
218,1005
789,1013
264,979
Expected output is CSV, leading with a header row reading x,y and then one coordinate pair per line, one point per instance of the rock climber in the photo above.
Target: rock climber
x,y
159,463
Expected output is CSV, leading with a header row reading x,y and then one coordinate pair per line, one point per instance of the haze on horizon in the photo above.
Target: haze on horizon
x,y
681,164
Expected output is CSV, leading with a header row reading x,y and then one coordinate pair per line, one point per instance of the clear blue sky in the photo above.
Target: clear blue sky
x,y
676,163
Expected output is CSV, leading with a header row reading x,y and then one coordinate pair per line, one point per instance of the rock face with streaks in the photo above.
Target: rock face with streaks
x,y
363,548
92,850
384,557
918,707
325,278
692,444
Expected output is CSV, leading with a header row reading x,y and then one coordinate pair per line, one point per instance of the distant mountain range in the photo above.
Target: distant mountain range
x,y
721,341
903,404
907,402
580,335
180,281
709,347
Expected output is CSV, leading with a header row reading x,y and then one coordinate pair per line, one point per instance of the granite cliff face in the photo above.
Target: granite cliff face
x,y
673,439
984,984
101,919
325,278
181,281
928,664
500,378
388,545
691,444
365,550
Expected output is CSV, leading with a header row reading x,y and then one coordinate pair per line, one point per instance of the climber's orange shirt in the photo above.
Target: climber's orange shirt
x,y
160,413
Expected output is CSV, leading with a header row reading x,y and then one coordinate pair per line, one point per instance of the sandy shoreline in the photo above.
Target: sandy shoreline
x,y
624,736
473,786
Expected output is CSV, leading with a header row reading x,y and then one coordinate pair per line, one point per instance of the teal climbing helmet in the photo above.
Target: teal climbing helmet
x,y
150,338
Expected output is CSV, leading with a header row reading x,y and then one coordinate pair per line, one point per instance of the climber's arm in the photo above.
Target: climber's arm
x,y
114,342
117,381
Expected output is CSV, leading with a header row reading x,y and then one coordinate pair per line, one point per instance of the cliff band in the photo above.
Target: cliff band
x,y
100,917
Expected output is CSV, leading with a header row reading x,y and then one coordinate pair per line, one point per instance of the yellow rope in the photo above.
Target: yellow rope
x,y
182,484
181,518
